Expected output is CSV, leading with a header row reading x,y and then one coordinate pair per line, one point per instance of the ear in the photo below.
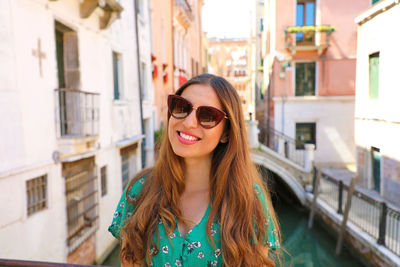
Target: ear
x,y
224,137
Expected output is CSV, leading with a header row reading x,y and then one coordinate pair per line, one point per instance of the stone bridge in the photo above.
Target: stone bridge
x,y
284,160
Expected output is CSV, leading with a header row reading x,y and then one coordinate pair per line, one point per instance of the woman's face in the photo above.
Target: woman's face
x,y
188,139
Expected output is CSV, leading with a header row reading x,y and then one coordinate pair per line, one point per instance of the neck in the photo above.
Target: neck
x,y
197,174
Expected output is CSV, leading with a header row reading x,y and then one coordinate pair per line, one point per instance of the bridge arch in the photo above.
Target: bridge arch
x,y
289,179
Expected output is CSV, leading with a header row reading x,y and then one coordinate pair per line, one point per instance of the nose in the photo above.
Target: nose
x,y
190,121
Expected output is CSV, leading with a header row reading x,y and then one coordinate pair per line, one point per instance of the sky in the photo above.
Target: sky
x,y
226,18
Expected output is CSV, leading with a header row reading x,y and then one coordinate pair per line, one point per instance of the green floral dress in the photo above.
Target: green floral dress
x,y
192,250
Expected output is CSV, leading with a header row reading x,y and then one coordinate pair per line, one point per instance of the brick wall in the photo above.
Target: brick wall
x,y
84,254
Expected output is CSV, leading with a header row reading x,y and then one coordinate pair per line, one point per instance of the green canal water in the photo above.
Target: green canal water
x,y
310,248
307,248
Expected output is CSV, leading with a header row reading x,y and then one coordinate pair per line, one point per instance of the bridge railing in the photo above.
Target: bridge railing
x,y
374,216
282,144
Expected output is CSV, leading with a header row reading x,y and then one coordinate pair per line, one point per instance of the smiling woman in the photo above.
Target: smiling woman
x,y
203,203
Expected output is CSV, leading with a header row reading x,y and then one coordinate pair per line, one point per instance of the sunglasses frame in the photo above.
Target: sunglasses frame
x,y
223,114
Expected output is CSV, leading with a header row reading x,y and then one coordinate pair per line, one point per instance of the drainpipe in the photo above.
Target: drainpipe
x,y
143,144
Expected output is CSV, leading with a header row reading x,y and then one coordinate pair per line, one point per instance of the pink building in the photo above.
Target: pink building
x,y
308,49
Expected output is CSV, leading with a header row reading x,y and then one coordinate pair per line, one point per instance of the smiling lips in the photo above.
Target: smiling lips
x,y
187,139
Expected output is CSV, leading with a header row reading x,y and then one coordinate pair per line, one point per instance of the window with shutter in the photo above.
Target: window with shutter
x,y
374,76
305,79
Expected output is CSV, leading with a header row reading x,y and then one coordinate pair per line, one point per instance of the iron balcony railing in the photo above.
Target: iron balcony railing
x,y
308,37
77,112
376,217
273,139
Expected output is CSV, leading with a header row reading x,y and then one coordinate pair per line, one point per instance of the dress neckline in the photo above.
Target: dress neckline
x,y
204,218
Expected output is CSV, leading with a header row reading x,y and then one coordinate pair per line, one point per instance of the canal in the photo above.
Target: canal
x,y
305,247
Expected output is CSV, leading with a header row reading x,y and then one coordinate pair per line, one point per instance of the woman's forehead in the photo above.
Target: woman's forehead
x,y
202,95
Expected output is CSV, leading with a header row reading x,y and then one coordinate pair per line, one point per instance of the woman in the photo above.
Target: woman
x,y
203,203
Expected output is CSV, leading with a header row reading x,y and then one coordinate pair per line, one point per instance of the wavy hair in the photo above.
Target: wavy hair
x,y
234,201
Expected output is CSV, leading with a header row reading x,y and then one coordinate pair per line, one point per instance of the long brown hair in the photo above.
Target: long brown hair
x,y
234,202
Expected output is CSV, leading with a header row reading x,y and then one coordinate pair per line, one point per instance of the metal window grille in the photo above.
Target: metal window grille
x,y
103,173
125,170
77,113
36,191
82,206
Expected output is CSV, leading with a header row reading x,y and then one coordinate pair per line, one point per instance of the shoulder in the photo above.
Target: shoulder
x,y
134,188
126,205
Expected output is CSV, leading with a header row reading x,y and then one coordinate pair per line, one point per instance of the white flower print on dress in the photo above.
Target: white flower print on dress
x,y
172,235
132,198
165,249
141,181
122,204
116,214
152,250
196,244
167,265
217,252
178,262
213,232
200,255
211,263
190,248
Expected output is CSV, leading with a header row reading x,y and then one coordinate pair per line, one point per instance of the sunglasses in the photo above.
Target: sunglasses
x,y
208,117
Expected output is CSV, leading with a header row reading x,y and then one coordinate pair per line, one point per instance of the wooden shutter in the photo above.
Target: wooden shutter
x,y
71,60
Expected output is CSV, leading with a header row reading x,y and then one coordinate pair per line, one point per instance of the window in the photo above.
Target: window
x,y
374,76
128,163
143,81
305,134
376,168
375,1
305,79
305,16
36,194
117,75
103,173
82,200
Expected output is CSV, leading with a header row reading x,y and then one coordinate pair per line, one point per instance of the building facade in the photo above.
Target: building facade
x,y
309,57
71,134
377,113
229,58
177,48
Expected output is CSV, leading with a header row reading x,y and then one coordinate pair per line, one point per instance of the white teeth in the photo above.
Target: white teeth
x,y
187,137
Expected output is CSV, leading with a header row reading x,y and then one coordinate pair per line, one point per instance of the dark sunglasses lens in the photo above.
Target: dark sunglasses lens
x,y
209,117
179,107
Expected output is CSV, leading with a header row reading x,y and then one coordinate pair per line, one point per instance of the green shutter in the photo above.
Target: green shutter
x,y
374,76
116,75
375,1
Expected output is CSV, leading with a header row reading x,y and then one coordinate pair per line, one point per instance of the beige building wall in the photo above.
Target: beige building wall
x,y
377,120
32,144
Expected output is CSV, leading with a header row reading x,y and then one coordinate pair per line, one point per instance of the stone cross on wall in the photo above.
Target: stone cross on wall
x,y
40,55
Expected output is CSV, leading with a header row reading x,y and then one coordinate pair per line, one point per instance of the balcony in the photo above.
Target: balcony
x,y
111,10
308,38
77,120
184,13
